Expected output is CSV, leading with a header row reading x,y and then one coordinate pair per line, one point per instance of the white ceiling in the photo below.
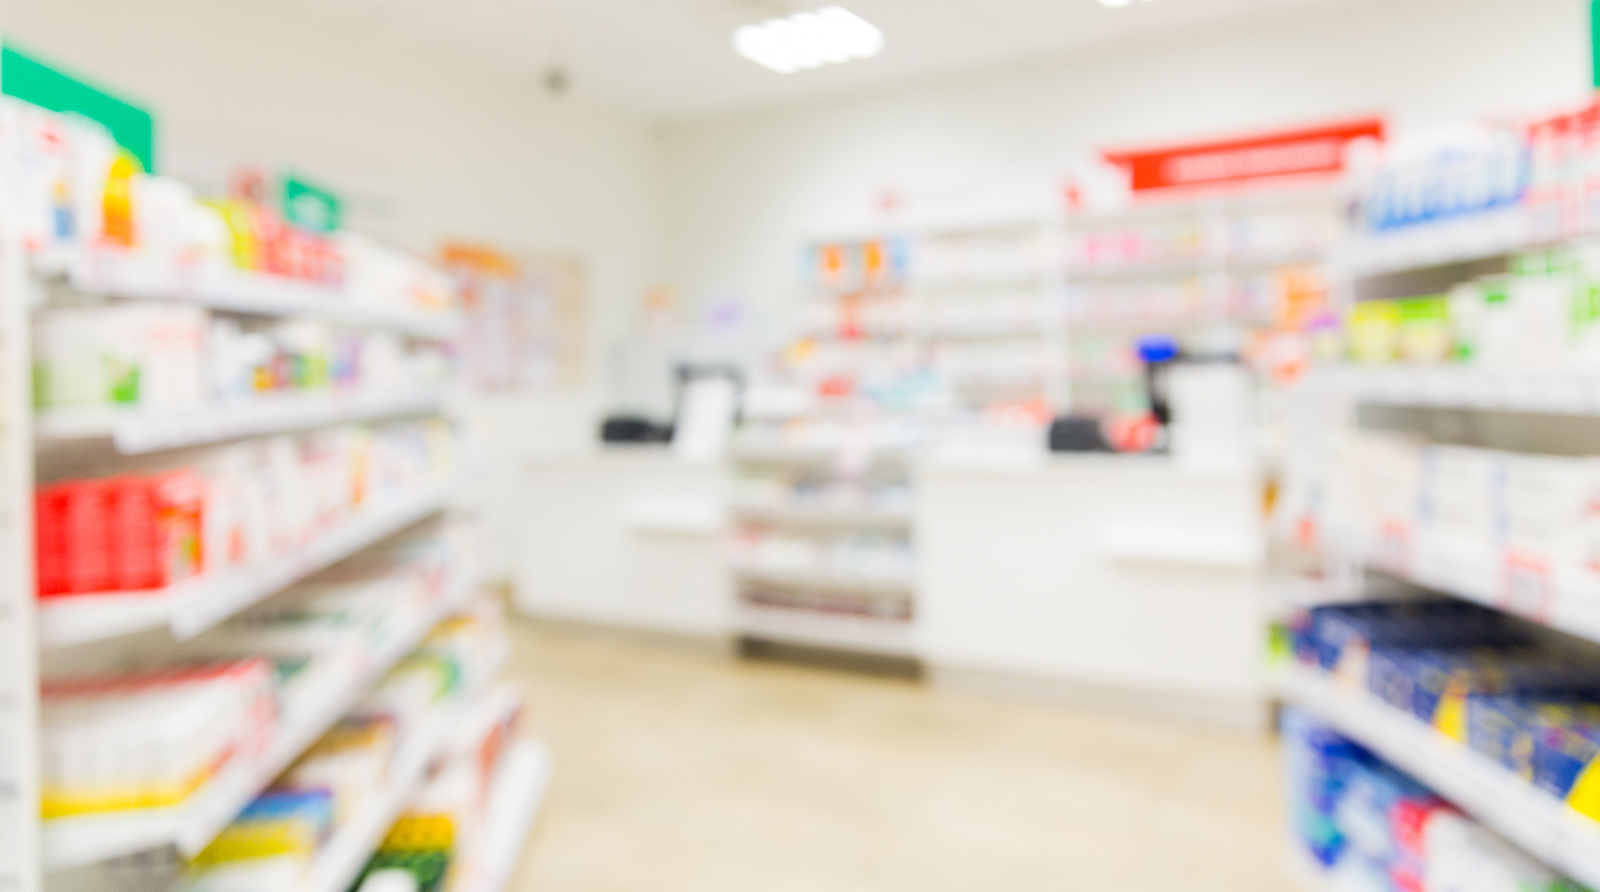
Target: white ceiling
x,y
674,57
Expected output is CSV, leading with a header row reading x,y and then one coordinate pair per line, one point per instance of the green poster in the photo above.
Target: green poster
x,y
32,80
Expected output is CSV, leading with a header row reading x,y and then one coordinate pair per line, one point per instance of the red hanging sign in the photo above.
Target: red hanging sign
x,y
1289,153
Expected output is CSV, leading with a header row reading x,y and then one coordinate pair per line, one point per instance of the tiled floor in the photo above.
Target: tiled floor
x,y
678,770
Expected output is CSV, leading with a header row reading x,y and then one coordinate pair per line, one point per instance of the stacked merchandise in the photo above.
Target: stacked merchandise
x,y
149,739
354,616
241,632
1483,192
991,315
1518,530
1368,828
1223,277
441,840
237,506
823,552
1473,285
373,756
1542,314
235,691
1495,193
808,524
817,563
1476,678
179,358
797,491
86,207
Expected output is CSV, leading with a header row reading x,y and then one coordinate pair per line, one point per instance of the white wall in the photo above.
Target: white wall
x,y
429,145
743,191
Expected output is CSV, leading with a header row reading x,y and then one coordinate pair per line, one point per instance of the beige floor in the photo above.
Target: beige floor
x,y
677,770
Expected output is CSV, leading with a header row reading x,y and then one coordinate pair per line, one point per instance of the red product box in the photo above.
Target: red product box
x,y
118,534
71,540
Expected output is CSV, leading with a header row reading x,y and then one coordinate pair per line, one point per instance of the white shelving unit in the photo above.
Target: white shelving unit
x,y
20,867
831,631
822,627
45,855
1485,577
1388,264
195,605
519,788
824,517
1208,265
338,865
72,842
109,274
826,580
1554,391
997,284
135,432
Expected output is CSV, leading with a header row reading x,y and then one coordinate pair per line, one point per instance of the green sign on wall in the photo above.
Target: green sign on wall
x,y
309,206
31,80
1594,39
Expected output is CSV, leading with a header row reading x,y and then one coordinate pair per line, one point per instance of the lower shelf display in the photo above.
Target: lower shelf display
x,y
1361,825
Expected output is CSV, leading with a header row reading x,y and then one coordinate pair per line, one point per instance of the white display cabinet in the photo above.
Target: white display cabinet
x,y
1206,270
87,633
1354,466
20,862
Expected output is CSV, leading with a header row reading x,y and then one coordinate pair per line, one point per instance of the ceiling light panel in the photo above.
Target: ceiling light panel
x,y
809,40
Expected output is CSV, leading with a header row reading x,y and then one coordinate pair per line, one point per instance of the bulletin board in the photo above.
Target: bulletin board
x,y
525,319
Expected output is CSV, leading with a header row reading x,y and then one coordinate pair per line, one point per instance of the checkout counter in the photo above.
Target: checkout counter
x,y
1124,581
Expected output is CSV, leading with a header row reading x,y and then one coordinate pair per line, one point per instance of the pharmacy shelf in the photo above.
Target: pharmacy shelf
x,y
835,631
822,517
812,456
139,431
1211,266
109,274
337,866
989,333
78,841
1461,240
1484,576
826,580
1542,825
992,282
1078,322
1563,392
518,793
194,605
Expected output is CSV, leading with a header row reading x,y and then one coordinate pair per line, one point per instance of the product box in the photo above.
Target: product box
x,y
130,533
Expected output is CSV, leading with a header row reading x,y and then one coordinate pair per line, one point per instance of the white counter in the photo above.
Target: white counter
x,y
624,536
1121,580
1115,579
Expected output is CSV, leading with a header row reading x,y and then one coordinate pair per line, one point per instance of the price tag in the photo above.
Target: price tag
x,y
1528,589
1392,550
